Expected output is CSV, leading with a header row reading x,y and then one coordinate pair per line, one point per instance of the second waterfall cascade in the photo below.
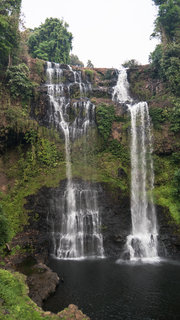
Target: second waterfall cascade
x,y
76,225
142,242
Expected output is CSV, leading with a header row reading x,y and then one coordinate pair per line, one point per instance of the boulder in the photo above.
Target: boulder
x,y
42,282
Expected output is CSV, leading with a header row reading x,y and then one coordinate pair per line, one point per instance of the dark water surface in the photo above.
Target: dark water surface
x,y
105,290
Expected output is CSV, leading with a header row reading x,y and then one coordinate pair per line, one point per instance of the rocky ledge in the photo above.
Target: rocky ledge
x,y
72,312
42,282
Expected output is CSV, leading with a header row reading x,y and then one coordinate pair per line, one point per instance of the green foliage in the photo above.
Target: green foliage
x,y
9,33
166,66
51,41
176,184
74,61
166,191
104,116
4,228
9,7
130,64
90,64
108,74
18,81
167,22
158,116
39,67
118,150
155,59
43,153
47,153
176,157
165,60
16,303
90,74
175,117
170,115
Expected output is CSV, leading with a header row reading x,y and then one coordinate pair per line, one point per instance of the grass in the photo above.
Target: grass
x,y
165,168
16,304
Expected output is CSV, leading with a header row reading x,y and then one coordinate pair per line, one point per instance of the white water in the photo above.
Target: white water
x,y
142,242
78,236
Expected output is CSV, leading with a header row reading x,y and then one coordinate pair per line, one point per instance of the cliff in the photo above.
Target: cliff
x,y
32,164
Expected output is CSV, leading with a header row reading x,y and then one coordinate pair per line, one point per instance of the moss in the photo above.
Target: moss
x,y
105,115
28,167
100,165
90,74
164,191
16,303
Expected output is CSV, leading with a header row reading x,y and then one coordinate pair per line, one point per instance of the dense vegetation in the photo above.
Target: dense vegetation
x,y
9,31
74,61
51,41
165,60
165,64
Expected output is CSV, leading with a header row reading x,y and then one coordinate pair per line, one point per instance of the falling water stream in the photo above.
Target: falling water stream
x,y
105,289
142,242
78,236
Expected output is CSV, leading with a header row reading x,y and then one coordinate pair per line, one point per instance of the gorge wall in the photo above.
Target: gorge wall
x,y
33,158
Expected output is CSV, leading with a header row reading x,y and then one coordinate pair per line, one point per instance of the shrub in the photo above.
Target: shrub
x,y
118,150
19,82
158,116
176,184
105,115
4,228
130,64
90,74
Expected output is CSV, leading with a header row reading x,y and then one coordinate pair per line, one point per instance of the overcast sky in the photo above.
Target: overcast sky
x,y
108,32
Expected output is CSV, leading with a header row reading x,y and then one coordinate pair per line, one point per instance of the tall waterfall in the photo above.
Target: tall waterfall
x,y
142,243
76,229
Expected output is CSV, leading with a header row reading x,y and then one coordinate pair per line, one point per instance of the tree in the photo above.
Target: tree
x,y
9,33
74,61
168,20
165,60
130,64
51,41
89,64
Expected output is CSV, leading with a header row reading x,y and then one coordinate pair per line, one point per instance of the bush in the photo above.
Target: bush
x,y
118,150
158,116
4,228
90,74
176,184
105,116
19,82
51,41
130,64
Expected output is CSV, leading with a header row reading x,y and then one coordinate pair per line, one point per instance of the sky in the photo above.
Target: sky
x,y
107,32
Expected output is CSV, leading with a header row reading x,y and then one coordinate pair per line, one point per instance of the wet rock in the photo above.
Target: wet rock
x,y
101,92
72,312
42,282
65,66
74,90
169,236
114,209
68,75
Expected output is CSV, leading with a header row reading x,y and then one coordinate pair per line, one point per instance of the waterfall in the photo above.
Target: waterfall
x,y
76,228
142,242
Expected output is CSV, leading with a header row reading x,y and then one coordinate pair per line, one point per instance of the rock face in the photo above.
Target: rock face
x,y
114,210
169,237
72,312
42,282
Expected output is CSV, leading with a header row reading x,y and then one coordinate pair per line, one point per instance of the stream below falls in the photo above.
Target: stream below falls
x,y
104,289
